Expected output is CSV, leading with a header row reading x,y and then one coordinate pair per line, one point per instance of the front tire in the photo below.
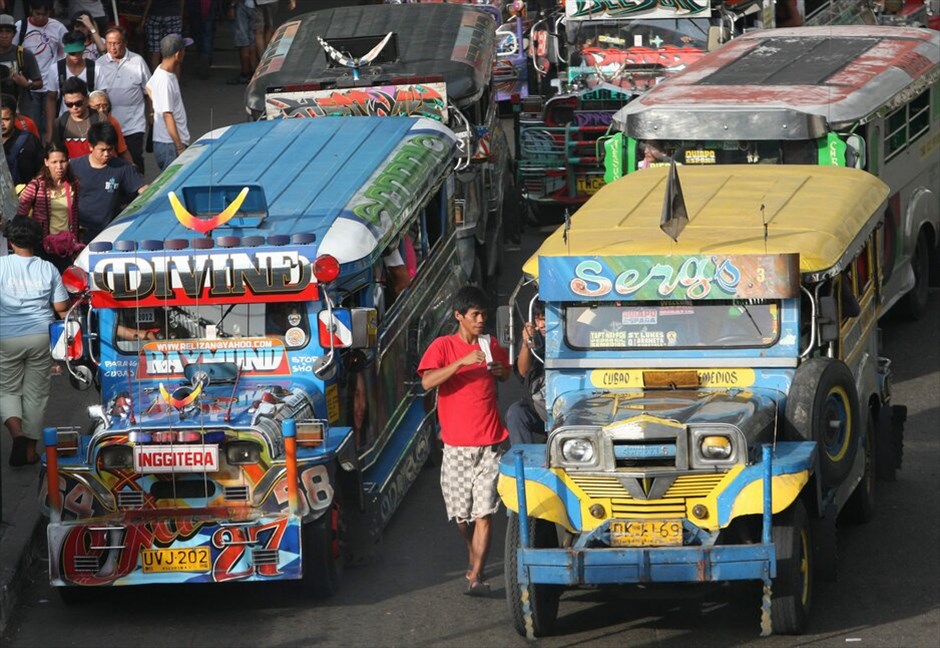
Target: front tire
x,y
861,505
915,302
793,586
542,600
323,555
823,407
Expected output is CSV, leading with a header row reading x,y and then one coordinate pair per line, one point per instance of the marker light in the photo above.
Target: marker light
x,y
75,280
325,268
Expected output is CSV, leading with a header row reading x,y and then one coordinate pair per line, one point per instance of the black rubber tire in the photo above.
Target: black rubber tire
x,y
823,390
860,508
793,586
914,303
322,551
543,599
889,445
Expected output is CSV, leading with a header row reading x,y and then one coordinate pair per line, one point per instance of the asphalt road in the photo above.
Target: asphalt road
x,y
887,593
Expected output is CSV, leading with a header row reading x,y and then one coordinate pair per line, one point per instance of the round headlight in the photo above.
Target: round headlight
x,y
716,447
117,457
578,450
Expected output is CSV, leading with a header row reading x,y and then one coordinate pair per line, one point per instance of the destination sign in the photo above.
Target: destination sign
x,y
128,280
661,277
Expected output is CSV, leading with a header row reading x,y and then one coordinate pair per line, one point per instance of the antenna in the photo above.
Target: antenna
x,y
763,218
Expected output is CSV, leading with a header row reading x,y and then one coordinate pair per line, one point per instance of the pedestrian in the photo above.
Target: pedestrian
x,y
465,367
71,129
107,181
94,9
526,418
84,23
201,15
19,71
23,149
170,128
31,293
124,75
51,199
245,23
267,21
73,64
163,17
43,36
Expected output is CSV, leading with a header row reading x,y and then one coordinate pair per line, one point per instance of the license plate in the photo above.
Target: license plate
x,y
645,533
588,185
193,559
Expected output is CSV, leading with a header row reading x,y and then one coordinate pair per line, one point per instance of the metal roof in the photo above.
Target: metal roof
x,y
842,74
822,213
315,175
455,41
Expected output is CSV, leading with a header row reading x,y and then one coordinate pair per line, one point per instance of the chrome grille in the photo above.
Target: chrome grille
x,y
671,504
264,556
131,499
86,564
235,493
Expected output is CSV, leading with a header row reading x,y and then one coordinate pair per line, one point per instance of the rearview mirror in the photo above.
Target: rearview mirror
x,y
65,340
503,328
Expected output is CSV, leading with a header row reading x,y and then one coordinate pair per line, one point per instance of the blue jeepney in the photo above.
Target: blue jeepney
x,y
257,421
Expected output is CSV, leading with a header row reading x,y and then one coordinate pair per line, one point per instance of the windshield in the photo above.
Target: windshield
x,y
286,321
655,152
661,325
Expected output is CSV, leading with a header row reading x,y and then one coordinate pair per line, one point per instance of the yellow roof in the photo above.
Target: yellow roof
x,y
815,211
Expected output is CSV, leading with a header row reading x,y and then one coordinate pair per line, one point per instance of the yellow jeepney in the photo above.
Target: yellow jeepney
x,y
714,401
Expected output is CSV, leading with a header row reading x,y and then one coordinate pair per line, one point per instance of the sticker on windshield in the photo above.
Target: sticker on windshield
x,y
637,316
607,338
295,337
700,157
646,339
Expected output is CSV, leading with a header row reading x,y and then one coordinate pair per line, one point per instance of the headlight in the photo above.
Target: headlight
x,y
578,450
716,447
117,457
242,452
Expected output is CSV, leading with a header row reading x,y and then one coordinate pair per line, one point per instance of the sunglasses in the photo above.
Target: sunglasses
x,y
75,104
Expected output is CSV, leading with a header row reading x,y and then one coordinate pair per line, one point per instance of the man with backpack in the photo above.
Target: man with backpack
x,y
19,71
71,129
73,64
43,36
22,149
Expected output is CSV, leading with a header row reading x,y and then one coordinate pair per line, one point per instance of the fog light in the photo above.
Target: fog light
x,y
700,511
597,511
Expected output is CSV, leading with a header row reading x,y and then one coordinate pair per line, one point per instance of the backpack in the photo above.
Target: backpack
x,y
9,87
14,154
89,77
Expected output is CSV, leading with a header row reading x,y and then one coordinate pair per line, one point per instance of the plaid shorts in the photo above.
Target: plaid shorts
x,y
468,481
159,26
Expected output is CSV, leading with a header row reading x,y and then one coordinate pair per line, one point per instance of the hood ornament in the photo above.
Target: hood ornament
x,y
205,225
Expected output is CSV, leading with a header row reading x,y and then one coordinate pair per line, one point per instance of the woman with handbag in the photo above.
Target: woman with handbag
x,y
51,199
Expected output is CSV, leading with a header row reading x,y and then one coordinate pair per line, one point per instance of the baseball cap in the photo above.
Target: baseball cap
x,y
6,21
172,43
74,47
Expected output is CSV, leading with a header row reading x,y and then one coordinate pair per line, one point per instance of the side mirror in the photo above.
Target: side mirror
x,y
855,151
75,280
828,319
350,328
503,328
65,340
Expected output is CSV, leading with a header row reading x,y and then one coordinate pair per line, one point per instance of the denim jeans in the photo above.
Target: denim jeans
x,y
164,153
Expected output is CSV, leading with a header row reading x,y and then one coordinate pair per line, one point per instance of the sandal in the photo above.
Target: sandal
x,y
478,588
18,453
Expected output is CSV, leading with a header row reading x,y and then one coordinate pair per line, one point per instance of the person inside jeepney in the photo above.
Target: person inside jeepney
x,y
654,154
525,419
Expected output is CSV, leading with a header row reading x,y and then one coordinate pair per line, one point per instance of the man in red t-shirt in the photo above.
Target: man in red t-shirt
x,y
465,367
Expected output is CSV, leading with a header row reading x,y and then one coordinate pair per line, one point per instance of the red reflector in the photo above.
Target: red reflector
x,y
325,268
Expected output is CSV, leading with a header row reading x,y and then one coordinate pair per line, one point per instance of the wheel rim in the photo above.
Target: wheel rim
x,y
837,424
804,567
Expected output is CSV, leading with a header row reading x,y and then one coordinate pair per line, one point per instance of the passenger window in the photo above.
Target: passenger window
x,y
863,270
906,124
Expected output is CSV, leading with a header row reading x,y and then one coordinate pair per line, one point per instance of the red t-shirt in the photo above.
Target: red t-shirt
x,y
466,403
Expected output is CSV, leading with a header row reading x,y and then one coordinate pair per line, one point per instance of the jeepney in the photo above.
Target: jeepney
x,y
257,419
860,96
428,60
715,401
614,52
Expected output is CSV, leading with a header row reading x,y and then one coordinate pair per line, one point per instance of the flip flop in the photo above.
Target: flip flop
x,y
18,452
478,588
